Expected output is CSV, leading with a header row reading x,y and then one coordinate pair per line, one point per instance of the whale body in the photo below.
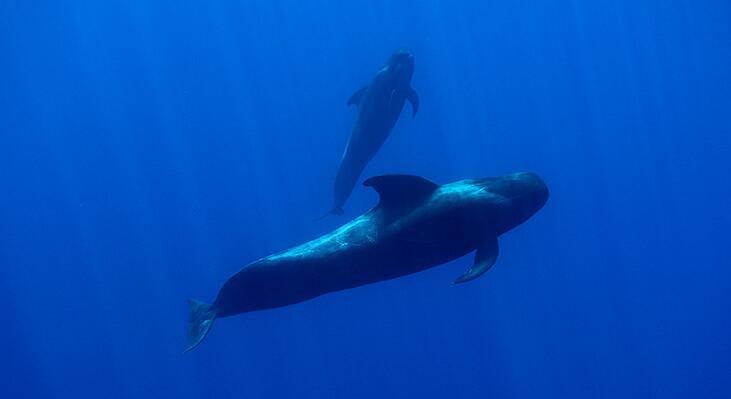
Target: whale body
x,y
416,225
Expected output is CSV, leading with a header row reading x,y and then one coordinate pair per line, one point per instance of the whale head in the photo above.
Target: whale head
x,y
519,195
401,64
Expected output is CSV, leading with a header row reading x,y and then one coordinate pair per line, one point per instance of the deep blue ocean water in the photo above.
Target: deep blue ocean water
x,y
148,150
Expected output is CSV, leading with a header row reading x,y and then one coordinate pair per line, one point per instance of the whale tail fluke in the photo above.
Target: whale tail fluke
x,y
200,320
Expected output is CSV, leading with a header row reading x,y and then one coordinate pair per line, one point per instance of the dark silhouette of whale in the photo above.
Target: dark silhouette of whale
x,y
379,106
416,225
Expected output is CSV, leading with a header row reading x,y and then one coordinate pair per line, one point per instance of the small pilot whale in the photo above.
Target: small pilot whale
x,y
416,225
379,107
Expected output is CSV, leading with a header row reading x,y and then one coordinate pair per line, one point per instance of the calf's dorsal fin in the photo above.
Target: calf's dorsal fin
x,y
398,191
357,97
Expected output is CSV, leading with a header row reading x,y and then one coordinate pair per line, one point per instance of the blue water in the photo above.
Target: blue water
x,y
148,150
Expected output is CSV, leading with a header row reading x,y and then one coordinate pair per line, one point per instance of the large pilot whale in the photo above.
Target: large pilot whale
x,y
379,107
416,225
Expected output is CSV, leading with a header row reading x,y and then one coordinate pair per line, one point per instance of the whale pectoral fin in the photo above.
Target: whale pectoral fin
x,y
414,100
357,97
485,257
400,190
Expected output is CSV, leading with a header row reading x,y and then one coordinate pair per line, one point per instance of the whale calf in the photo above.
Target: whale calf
x,y
417,224
379,107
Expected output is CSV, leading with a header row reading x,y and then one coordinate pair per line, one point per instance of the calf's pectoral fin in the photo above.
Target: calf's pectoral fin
x,y
357,97
485,257
414,100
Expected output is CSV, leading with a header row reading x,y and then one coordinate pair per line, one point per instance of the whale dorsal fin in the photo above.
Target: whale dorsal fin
x,y
357,97
397,191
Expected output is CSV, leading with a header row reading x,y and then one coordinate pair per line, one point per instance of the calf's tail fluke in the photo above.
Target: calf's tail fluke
x,y
200,320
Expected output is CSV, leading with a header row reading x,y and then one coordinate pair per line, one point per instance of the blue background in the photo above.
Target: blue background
x,y
148,150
